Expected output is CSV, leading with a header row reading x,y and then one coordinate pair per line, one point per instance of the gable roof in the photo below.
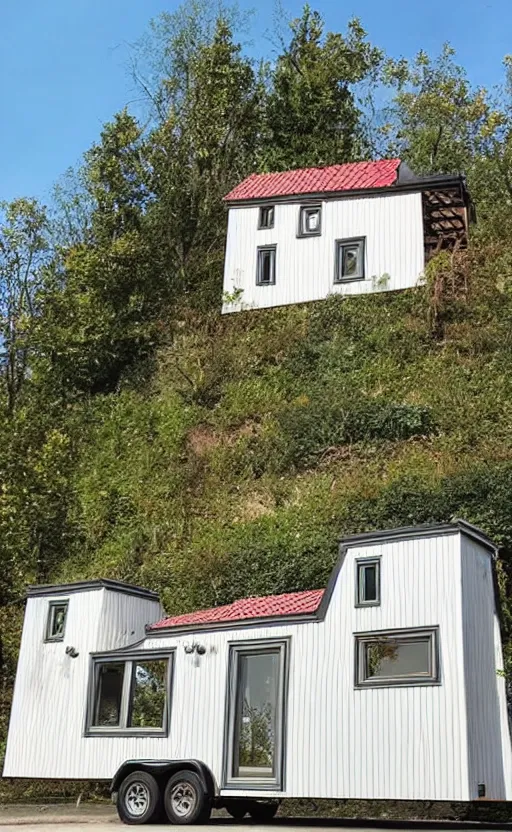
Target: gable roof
x,y
291,603
353,176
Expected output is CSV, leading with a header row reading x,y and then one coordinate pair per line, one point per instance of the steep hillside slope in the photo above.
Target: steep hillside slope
x,y
261,438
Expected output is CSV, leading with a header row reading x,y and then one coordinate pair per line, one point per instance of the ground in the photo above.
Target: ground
x,y
103,818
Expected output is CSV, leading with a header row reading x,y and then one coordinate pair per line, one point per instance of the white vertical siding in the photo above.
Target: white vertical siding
x,y
48,711
402,742
486,731
392,225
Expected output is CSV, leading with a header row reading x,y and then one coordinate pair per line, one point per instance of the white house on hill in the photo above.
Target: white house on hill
x,y
347,229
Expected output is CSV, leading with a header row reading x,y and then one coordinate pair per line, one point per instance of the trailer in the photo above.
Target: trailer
x,y
387,684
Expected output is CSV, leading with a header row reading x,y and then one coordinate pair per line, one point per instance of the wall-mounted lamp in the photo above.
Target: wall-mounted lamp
x,y
71,652
200,649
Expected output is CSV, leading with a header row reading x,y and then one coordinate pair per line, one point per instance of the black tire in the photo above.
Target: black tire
x,y
237,809
185,799
263,812
137,789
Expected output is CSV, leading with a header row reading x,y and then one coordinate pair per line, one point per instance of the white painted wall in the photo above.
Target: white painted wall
x,y
488,732
392,225
342,742
48,710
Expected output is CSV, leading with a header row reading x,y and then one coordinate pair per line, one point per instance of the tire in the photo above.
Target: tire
x,y
139,799
263,812
185,799
237,809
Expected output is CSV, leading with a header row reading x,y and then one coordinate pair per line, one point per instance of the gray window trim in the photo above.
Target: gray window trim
x,y
236,649
362,639
260,215
128,659
339,244
361,563
61,602
306,209
260,249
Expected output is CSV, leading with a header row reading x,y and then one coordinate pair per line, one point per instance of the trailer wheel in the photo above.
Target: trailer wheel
x,y
139,799
185,799
263,812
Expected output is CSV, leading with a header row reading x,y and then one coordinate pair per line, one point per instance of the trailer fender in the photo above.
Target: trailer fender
x,y
162,769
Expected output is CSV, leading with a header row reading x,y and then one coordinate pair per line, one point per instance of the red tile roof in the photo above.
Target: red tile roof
x,y
353,176
292,603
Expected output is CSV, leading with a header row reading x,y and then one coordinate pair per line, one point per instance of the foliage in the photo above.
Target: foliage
x,y
312,116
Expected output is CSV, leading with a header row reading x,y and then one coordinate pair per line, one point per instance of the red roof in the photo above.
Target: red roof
x,y
292,603
353,176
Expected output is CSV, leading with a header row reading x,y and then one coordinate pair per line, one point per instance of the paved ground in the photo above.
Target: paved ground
x,y
111,825
103,818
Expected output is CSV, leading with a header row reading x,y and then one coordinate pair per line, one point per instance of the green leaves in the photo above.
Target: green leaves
x,y
311,115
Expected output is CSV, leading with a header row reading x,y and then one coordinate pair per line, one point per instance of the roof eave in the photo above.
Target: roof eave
x,y
408,186
269,620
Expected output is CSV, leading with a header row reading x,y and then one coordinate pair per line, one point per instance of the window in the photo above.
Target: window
x,y
368,582
56,623
266,217
349,260
266,268
310,221
130,695
397,657
254,743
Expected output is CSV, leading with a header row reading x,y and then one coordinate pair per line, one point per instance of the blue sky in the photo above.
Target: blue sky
x,y
63,64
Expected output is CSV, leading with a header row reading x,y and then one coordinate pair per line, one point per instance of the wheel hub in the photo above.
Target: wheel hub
x,y
137,799
183,799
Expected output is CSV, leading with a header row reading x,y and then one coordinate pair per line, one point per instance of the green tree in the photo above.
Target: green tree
x,y
24,249
312,113
206,144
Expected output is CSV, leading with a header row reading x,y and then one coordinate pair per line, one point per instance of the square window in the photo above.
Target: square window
x,y
130,695
368,582
266,266
266,217
310,221
397,658
349,260
56,623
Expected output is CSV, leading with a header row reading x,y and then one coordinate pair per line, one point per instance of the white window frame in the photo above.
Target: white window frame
x,y
52,607
259,264
361,565
362,640
304,211
237,649
261,213
129,660
338,259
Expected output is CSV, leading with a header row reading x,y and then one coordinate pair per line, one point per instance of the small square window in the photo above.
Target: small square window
x,y
310,221
397,658
56,623
130,695
368,582
266,217
266,266
349,260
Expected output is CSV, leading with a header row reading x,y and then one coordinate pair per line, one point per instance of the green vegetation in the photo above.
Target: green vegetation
x,y
144,437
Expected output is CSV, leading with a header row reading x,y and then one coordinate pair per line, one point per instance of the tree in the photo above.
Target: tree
x,y
312,114
24,250
206,144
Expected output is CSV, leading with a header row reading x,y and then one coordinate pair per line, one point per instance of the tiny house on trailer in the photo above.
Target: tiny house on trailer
x,y
346,229
384,685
